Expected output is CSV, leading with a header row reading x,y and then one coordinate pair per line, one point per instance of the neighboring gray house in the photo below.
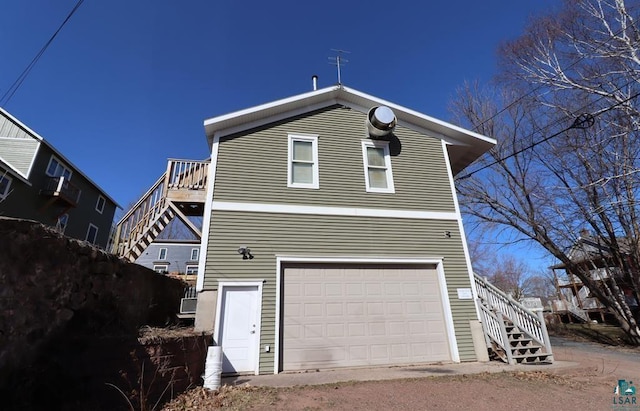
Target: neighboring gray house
x,y
332,236
38,183
172,256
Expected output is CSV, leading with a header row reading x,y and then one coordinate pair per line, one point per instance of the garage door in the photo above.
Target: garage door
x,y
362,315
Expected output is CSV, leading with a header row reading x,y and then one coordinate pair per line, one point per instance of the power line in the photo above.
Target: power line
x,y
582,121
519,99
4,100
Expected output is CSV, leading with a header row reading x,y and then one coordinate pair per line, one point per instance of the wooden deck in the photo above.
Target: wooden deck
x,y
180,192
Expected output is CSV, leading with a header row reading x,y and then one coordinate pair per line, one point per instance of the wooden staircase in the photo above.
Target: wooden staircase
x,y
513,333
180,192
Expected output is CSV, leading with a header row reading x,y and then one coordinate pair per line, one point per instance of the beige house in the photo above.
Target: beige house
x,y
332,236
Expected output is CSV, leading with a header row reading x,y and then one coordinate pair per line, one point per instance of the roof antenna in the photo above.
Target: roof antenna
x,y
338,61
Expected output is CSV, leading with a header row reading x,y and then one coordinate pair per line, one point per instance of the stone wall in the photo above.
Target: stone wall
x,y
63,299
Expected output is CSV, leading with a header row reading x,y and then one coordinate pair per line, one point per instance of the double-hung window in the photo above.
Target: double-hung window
x,y
377,166
194,254
162,254
303,161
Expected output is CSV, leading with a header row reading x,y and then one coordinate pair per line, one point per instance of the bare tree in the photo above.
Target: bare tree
x,y
568,156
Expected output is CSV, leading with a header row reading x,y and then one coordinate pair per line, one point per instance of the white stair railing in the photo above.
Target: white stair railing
x,y
495,301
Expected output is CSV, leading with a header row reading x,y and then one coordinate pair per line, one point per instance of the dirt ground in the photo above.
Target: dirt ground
x,y
586,384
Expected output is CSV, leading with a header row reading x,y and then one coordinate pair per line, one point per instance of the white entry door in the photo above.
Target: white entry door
x,y
238,331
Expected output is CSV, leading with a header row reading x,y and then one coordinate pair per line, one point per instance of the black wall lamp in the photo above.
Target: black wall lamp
x,y
246,253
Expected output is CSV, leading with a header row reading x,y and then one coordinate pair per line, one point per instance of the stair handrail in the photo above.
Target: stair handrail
x,y
577,311
526,320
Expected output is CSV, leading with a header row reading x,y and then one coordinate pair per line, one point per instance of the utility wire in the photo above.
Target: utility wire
x,y
582,121
4,100
519,99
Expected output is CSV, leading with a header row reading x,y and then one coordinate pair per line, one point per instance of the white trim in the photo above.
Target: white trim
x,y
86,237
268,120
6,176
11,169
313,139
58,224
437,261
33,160
160,250
240,283
186,268
164,271
59,164
197,250
384,145
463,238
206,220
104,203
338,211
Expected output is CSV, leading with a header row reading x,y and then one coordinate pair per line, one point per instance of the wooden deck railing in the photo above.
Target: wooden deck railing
x,y
136,223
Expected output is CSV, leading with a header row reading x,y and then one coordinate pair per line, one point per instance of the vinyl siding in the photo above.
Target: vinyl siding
x,y
269,235
10,129
252,166
26,202
18,152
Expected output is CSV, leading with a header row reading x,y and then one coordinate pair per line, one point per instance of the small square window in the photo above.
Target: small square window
x,y
194,254
191,269
5,185
303,161
92,234
377,166
57,169
100,204
162,254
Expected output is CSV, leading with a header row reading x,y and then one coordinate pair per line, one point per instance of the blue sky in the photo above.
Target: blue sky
x,y
128,84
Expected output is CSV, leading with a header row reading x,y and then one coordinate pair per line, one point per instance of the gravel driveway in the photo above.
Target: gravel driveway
x,y
586,382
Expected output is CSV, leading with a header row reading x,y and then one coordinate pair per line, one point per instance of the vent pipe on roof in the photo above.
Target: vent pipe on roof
x,y
314,79
380,121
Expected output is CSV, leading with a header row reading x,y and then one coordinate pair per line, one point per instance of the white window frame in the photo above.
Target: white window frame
x,y
313,138
99,206
160,256
161,268
197,254
7,189
64,217
387,160
191,267
60,168
86,238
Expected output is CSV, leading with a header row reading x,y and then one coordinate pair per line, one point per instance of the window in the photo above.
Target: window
x,y
161,268
92,234
191,269
162,254
56,169
194,254
100,204
303,161
5,184
377,166
61,224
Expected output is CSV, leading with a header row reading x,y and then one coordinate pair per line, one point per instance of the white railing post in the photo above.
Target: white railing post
x,y
505,338
545,334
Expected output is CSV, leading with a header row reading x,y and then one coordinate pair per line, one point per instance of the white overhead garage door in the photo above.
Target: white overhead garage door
x,y
348,316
